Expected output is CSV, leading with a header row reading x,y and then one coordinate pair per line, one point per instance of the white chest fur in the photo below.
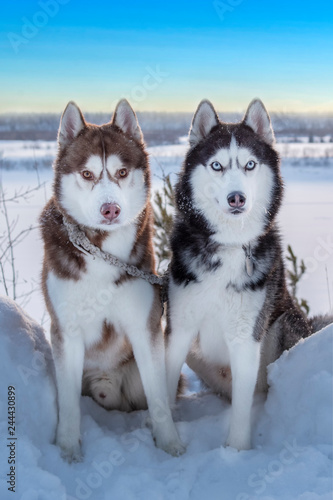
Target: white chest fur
x,y
214,309
82,306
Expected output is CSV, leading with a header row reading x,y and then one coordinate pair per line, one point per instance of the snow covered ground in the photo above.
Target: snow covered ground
x,y
292,433
292,429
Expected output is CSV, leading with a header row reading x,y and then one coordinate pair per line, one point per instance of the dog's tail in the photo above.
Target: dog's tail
x,y
319,322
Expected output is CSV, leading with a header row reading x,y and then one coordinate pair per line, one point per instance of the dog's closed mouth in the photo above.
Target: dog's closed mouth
x,y
236,211
109,222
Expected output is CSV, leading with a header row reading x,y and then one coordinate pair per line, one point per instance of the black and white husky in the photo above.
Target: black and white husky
x,y
105,325
229,312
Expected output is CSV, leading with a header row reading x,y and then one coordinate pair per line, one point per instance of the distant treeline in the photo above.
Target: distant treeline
x,y
165,128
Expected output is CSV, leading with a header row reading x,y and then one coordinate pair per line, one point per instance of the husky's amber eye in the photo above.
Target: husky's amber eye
x,y
250,165
216,166
122,173
87,175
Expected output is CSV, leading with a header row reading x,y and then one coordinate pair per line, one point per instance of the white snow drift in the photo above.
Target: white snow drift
x,y
291,459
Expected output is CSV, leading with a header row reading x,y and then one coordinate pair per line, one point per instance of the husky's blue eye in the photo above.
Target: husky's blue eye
x,y
216,166
250,165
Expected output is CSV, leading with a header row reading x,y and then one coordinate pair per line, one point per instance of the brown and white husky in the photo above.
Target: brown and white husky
x,y
105,325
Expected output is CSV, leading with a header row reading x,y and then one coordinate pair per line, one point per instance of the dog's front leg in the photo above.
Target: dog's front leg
x,y
69,357
150,357
244,361
178,343
146,336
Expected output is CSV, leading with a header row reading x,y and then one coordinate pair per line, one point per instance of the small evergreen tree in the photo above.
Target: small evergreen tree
x,y
294,276
163,219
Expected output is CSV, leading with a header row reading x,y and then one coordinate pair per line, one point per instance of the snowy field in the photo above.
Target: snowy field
x,y
292,429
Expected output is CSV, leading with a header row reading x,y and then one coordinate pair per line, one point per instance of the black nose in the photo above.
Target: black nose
x,y
236,199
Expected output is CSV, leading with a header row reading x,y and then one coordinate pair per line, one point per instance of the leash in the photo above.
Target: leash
x,y
79,239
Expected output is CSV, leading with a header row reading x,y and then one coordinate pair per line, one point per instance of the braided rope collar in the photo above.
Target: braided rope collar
x,y
79,239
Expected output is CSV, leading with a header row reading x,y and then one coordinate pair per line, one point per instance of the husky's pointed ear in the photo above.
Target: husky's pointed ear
x,y
205,118
258,119
71,124
125,118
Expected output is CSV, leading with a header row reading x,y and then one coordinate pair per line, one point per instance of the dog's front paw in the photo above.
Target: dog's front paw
x,y
173,447
70,452
176,449
239,442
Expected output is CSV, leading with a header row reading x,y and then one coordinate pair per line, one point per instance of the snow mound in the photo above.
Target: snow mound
x,y
300,400
292,433
26,363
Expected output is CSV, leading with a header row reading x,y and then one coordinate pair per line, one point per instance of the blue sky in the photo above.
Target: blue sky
x,y
166,55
